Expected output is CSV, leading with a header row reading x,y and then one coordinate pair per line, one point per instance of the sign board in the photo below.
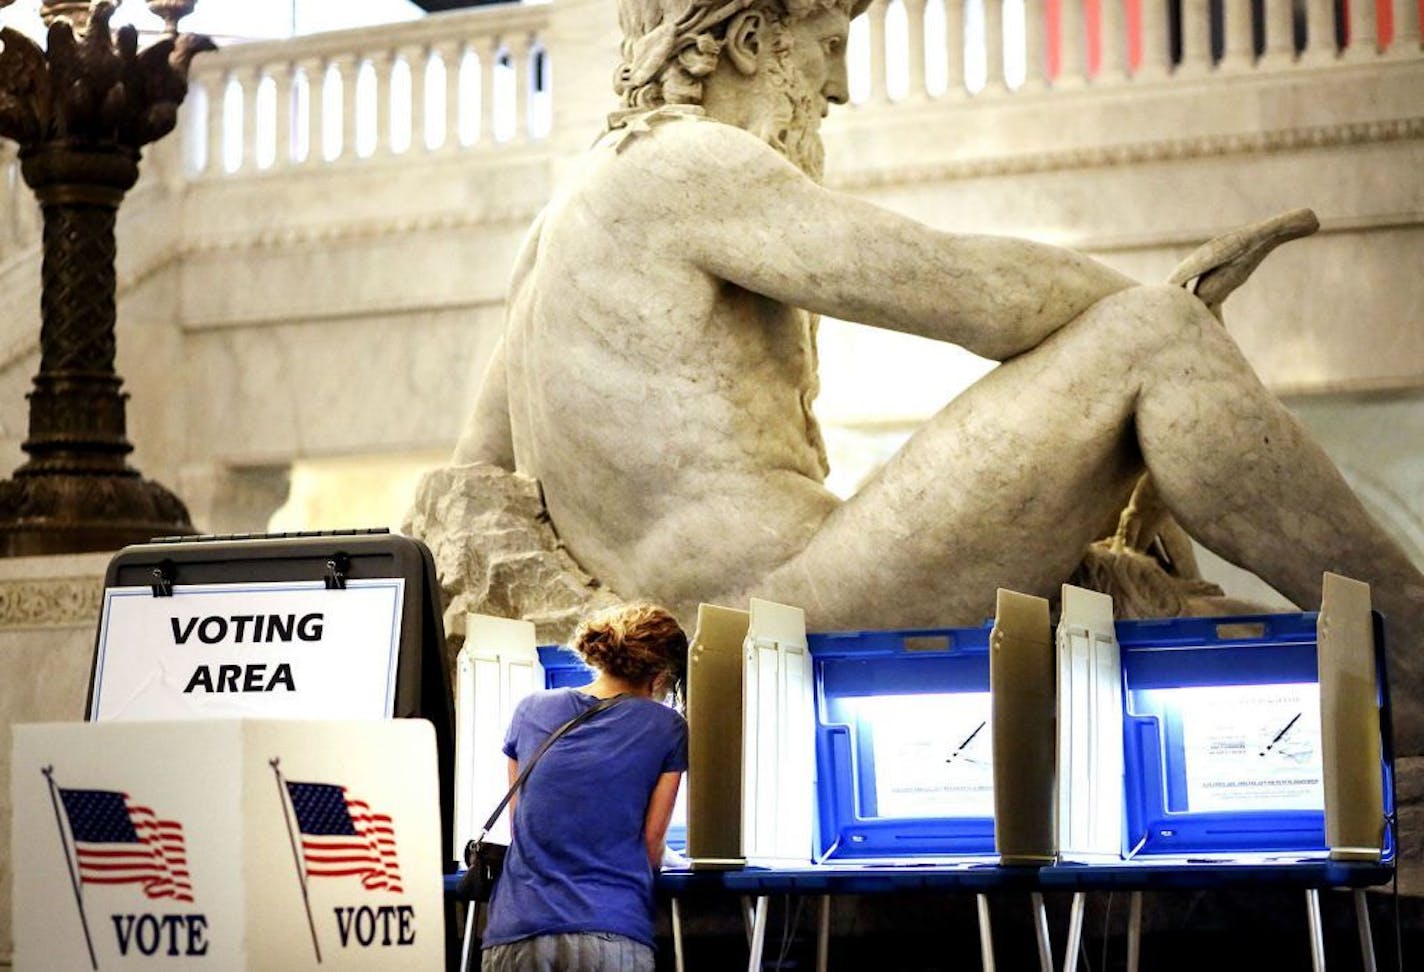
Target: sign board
x,y
278,650
227,844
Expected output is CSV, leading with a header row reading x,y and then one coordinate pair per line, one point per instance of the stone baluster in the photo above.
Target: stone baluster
x,y
1280,33
1196,37
489,60
1112,41
216,87
954,48
1406,42
418,58
520,60
1035,46
1156,60
1362,43
994,46
281,75
451,54
1072,45
915,15
1238,50
350,67
314,69
1320,31
251,80
382,63
879,89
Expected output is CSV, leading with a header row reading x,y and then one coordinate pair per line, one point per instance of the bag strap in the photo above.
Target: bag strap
x,y
593,710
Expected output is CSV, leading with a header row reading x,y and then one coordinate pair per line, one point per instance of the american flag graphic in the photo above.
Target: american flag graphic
x,y
119,842
343,837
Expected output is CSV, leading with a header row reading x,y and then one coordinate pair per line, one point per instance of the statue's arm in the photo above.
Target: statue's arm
x,y
763,225
487,437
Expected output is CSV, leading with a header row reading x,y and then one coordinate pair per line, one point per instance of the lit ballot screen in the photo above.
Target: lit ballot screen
x,y
931,755
1238,748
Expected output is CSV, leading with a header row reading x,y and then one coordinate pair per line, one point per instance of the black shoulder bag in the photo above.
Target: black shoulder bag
x,y
485,859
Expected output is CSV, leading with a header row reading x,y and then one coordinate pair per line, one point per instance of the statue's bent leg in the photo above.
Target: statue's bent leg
x,y
1006,485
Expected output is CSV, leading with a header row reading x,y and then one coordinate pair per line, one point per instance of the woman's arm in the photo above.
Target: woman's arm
x,y
659,816
513,775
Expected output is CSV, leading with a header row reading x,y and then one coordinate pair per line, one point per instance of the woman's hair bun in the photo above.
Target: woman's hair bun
x,y
633,642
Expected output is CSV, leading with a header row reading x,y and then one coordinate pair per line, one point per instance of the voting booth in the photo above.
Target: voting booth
x,y
904,745
1211,739
227,844
1035,755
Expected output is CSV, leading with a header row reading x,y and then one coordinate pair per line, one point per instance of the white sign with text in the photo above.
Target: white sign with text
x,y
292,650
227,845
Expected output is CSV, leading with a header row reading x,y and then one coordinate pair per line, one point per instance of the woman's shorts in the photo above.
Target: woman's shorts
x,y
577,952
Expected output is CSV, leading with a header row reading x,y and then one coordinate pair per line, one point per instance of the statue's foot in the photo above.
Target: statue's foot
x,y
1222,264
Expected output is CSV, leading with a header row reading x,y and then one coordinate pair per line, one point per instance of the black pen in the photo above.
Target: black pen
x,y
1280,734
967,740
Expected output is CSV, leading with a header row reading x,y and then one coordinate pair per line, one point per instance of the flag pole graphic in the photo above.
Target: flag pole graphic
x,y
296,857
48,772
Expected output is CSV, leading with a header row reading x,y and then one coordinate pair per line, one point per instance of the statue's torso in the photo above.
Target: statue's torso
x,y
666,412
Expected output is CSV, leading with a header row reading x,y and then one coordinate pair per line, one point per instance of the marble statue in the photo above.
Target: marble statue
x,y
658,367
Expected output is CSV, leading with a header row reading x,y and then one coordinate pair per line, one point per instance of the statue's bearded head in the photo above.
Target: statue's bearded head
x,y
787,56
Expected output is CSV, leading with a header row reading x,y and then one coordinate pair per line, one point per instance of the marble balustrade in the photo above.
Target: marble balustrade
x,y
435,85
481,78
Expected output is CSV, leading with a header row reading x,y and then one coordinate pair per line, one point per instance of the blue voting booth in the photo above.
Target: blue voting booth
x,y
1170,669
866,684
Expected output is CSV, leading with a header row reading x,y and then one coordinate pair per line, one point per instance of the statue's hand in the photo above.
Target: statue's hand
x,y
1222,264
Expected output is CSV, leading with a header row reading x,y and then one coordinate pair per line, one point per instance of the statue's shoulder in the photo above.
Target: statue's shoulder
x,y
680,148
675,128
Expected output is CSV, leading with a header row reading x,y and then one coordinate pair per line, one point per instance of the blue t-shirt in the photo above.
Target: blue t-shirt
x,y
578,862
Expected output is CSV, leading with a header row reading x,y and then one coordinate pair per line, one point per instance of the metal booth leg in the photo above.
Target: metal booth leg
x,y
823,935
986,934
1134,932
748,917
1040,930
676,935
1317,937
1362,924
1075,934
472,910
758,943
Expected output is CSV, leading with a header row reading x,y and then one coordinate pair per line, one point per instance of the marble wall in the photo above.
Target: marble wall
x,y
49,610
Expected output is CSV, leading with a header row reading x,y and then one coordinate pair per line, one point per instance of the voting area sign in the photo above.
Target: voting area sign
x,y
227,844
277,650
340,625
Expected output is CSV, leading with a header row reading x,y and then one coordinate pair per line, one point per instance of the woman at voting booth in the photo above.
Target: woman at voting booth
x,y
590,820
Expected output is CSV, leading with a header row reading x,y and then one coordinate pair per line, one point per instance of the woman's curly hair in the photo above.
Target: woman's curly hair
x,y
633,642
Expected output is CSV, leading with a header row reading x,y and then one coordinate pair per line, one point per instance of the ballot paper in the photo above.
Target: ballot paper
x,y
1250,747
933,754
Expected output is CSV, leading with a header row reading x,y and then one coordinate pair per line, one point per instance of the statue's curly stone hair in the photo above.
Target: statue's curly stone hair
x,y
633,642
670,46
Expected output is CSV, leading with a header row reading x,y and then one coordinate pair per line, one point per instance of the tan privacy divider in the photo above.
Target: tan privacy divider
x,y
778,737
1350,721
714,743
1021,685
1090,760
